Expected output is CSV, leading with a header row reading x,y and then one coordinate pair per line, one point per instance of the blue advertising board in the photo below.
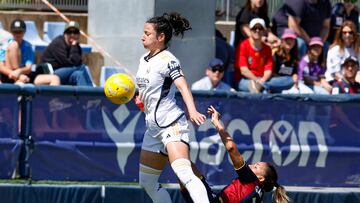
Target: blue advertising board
x,y
308,141
10,143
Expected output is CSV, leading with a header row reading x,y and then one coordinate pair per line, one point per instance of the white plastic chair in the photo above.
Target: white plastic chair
x,y
32,36
107,71
90,76
52,30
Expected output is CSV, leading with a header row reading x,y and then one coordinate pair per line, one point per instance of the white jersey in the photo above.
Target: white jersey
x,y
155,78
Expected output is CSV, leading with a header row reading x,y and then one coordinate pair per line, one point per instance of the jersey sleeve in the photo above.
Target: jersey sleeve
x,y
246,175
174,70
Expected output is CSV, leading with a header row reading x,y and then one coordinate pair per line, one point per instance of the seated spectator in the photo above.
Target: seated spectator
x,y
63,55
345,45
286,62
17,58
347,84
212,81
254,9
340,13
308,18
311,68
254,62
4,37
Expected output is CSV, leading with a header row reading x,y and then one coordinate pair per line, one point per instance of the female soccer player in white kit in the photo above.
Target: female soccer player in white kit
x,y
167,135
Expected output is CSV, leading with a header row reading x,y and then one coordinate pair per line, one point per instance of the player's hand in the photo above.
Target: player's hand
x,y
197,118
215,115
139,103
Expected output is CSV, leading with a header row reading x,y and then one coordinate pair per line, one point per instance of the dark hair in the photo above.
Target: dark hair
x,y
321,60
170,24
263,9
293,52
271,181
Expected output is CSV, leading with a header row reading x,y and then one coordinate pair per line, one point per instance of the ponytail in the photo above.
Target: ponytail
x,y
270,182
178,23
170,24
280,195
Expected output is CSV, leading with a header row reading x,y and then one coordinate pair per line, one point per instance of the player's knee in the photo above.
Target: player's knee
x,y
182,168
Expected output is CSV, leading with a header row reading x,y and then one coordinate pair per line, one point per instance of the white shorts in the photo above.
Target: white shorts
x,y
155,140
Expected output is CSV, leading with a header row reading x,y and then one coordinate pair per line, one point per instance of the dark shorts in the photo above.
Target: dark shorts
x,y
5,79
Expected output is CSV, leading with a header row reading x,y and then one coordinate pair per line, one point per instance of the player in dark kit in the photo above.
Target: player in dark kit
x,y
252,181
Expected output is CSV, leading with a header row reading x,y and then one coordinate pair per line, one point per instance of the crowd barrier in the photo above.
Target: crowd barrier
x,y
75,133
43,193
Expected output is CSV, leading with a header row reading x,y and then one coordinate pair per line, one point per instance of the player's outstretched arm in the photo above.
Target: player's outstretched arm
x,y
227,140
186,94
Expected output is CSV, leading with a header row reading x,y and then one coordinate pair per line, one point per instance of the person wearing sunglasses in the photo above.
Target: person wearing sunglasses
x,y
212,81
17,58
341,12
347,85
345,45
254,63
63,57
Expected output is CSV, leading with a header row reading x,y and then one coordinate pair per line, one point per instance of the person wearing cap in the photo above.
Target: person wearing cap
x,y
347,85
254,9
286,62
308,18
345,45
63,55
254,63
17,58
311,70
212,81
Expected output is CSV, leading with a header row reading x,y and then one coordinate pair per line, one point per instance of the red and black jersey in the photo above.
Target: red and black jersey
x,y
346,88
245,188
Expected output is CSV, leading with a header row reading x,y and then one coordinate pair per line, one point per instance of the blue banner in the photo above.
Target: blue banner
x,y
310,142
9,134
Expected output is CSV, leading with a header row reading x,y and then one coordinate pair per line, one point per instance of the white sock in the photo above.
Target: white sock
x,y
148,179
182,168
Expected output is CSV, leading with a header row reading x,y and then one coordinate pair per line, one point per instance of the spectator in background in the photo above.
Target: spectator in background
x,y
17,59
255,62
218,14
308,18
348,85
346,43
4,36
224,51
253,9
280,19
63,56
311,68
286,62
340,13
212,81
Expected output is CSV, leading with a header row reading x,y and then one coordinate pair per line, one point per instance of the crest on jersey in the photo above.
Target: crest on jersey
x,y
173,65
250,60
